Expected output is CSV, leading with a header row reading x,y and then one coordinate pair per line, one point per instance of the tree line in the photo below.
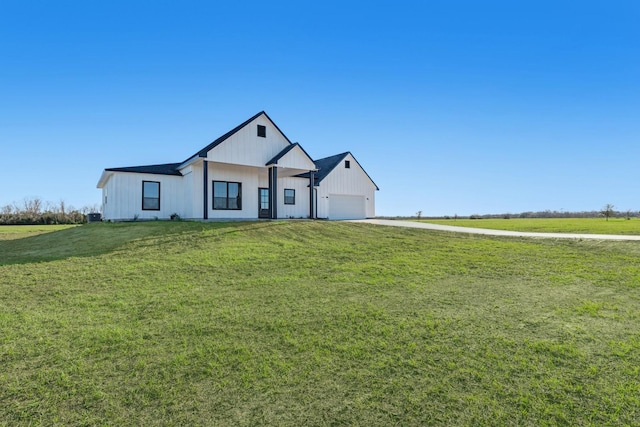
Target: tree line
x,y
606,212
35,211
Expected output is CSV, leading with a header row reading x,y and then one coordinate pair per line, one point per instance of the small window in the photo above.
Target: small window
x,y
289,196
262,131
150,196
227,195
347,164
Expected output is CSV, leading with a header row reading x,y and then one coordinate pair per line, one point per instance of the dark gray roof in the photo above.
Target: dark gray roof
x,y
172,168
282,153
164,169
324,166
327,164
205,150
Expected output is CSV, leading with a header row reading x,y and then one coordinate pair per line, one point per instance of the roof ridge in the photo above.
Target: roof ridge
x,y
203,152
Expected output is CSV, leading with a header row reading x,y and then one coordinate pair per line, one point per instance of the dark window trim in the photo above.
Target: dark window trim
x,y
213,192
262,131
293,197
150,209
347,164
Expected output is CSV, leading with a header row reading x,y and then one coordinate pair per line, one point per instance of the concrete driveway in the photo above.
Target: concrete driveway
x,y
487,232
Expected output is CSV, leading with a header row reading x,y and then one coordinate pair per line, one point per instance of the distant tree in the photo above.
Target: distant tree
x,y
419,214
607,211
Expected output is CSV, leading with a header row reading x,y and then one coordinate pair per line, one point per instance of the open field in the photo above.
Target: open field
x,y
315,323
550,225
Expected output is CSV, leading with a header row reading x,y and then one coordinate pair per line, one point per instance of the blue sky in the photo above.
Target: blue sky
x,y
452,107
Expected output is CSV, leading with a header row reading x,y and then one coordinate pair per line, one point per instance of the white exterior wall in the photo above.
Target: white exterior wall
x,y
194,197
352,181
249,178
187,193
296,159
301,208
123,193
246,148
242,158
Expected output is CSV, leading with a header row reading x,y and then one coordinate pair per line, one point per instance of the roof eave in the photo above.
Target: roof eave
x,y
104,177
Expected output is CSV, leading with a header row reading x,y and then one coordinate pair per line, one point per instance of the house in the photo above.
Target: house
x,y
253,171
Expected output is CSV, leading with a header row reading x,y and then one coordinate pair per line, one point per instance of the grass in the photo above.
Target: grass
x,y
315,323
551,225
8,232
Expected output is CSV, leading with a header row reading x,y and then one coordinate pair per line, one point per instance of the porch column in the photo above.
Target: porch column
x,y
273,192
311,183
205,193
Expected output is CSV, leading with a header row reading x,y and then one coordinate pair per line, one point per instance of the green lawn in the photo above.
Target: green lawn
x,y
315,323
8,232
550,225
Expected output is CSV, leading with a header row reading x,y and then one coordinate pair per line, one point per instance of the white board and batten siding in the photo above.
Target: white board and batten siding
x,y
122,196
246,148
301,207
250,178
295,160
352,190
242,157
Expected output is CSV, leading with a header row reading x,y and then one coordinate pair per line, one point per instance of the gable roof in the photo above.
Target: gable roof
x,y
220,140
174,168
327,164
324,166
281,154
284,152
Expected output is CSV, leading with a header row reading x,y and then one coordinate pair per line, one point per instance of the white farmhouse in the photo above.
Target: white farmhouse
x,y
253,171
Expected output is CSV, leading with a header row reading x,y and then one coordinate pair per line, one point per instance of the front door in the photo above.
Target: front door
x,y
263,203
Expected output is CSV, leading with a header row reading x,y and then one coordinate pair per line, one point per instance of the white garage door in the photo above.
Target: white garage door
x,y
346,207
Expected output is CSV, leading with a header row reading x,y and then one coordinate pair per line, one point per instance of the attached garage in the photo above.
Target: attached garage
x,y
343,190
346,207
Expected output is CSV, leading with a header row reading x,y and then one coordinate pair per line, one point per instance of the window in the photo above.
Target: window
x,y
150,196
227,195
347,164
289,196
262,131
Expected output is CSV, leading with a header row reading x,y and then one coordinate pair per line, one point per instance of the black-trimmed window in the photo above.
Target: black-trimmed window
x,y
150,196
289,196
227,195
262,131
347,164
